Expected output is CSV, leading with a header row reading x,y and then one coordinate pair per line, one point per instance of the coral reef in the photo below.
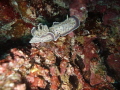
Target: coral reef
x,y
87,58
50,65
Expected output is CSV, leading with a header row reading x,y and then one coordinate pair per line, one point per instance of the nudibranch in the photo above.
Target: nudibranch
x,y
45,34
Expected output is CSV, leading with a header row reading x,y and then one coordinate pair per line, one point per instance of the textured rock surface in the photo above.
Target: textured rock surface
x,y
86,59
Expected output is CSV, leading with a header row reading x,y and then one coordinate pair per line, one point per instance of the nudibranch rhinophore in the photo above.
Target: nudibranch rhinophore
x,y
45,34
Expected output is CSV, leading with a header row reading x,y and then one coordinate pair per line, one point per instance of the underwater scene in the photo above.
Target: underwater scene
x,y
59,44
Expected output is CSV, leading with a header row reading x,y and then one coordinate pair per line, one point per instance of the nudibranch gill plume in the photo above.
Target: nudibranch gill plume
x,y
45,34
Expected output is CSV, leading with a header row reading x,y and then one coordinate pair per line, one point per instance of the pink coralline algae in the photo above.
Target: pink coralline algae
x,y
43,67
78,8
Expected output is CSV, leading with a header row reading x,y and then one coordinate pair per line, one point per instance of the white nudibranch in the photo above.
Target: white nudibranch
x,y
45,34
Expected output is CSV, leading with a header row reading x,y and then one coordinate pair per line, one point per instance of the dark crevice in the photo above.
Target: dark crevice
x,y
79,63
74,81
6,46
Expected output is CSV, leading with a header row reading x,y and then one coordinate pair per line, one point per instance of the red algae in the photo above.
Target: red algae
x,y
7,13
39,67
